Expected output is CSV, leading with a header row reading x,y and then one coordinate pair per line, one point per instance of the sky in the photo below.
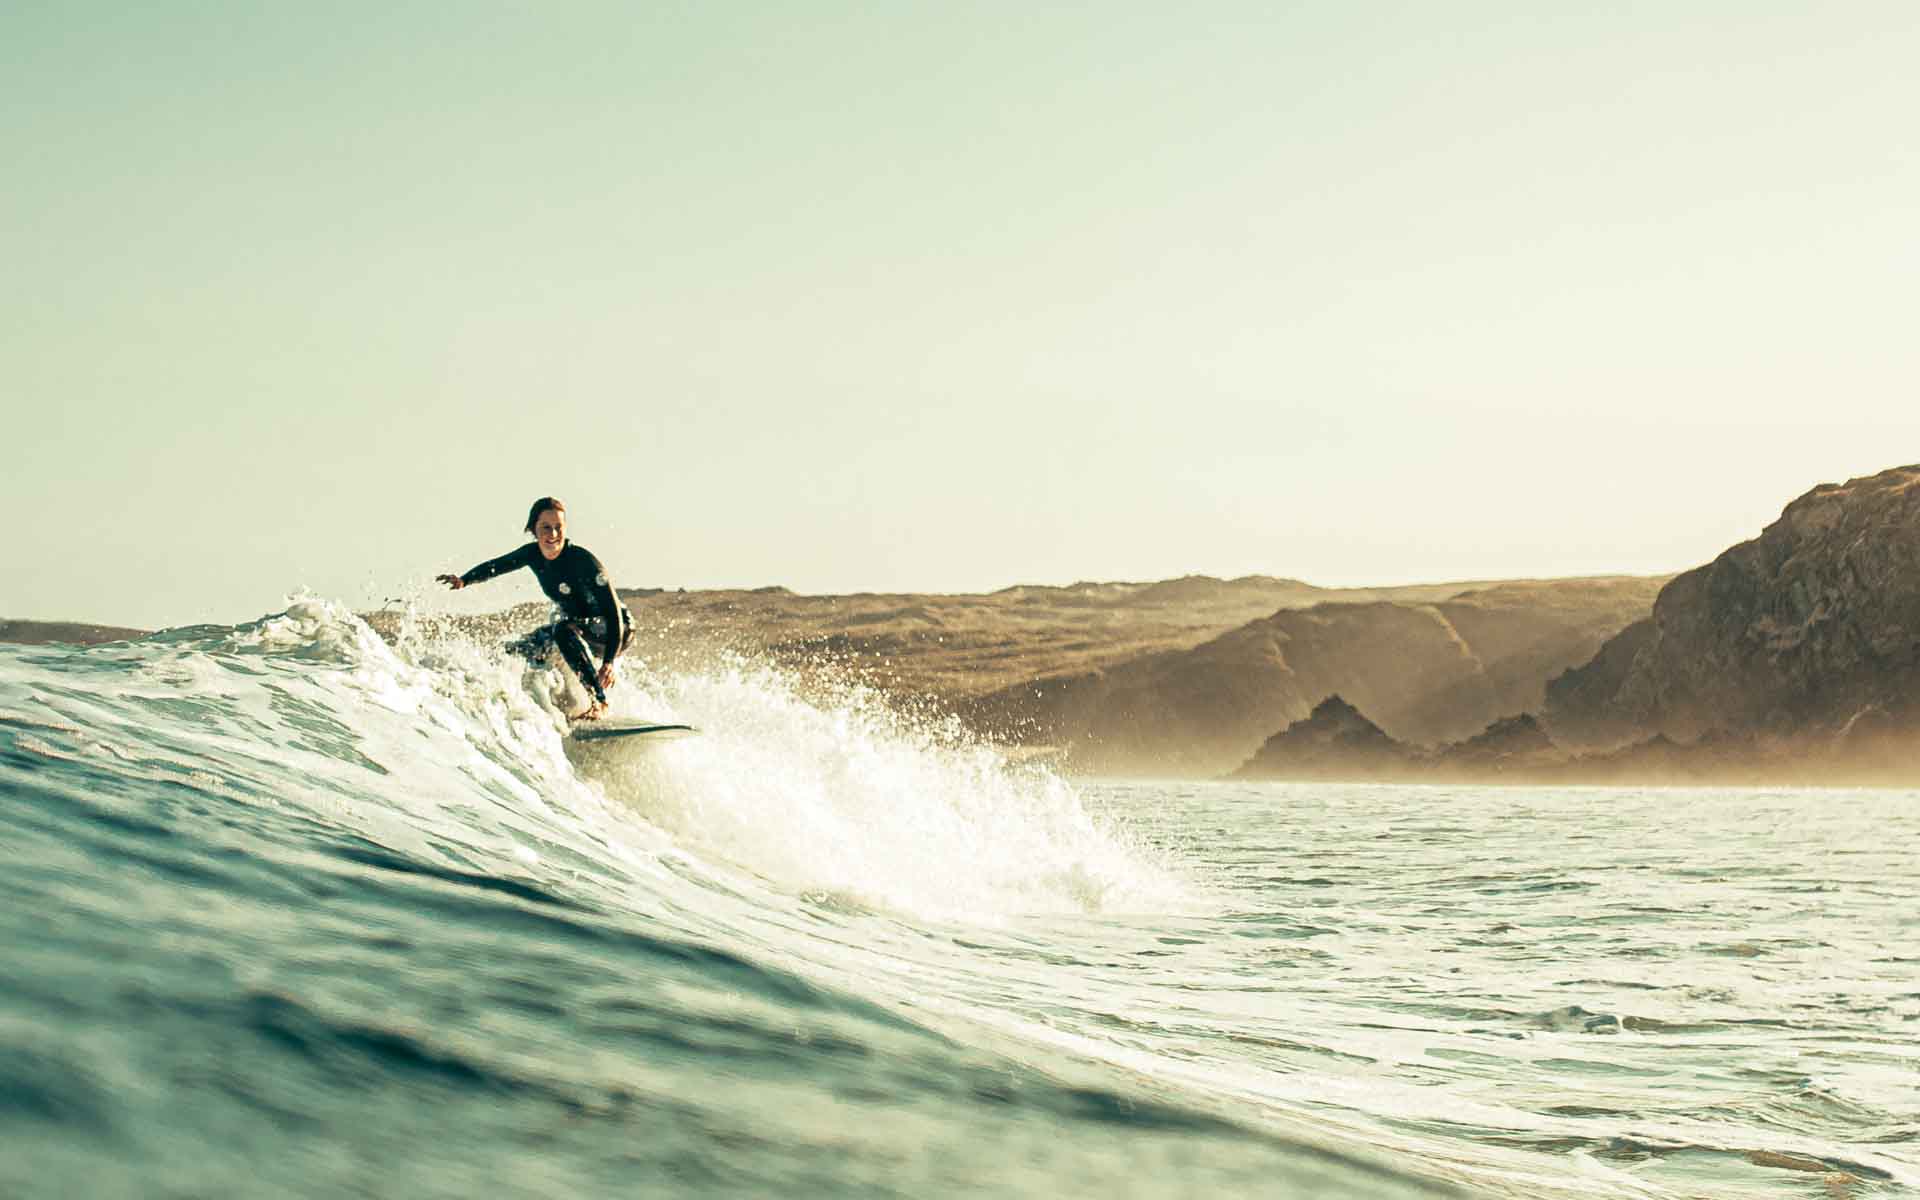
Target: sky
x,y
937,297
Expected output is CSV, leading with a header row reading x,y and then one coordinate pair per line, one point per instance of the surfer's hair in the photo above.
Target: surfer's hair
x,y
543,504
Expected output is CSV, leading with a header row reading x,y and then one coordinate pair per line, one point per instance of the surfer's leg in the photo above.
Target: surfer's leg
x,y
573,648
534,646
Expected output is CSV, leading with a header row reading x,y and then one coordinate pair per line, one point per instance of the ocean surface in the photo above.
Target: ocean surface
x,y
287,910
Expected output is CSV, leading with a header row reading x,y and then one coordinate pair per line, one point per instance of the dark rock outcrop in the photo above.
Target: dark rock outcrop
x,y
1338,742
1335,741
1509,744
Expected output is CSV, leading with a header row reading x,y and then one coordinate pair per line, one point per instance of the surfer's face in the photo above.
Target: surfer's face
x,y
550,532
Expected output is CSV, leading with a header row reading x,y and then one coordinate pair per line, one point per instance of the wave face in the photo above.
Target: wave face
x,y
288,909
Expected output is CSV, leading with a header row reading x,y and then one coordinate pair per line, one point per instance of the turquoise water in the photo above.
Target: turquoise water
x,y
289,910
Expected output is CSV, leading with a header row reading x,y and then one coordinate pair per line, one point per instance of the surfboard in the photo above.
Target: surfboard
x,y
597,731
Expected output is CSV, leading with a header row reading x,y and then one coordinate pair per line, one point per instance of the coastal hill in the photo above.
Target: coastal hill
x,y
952,647
1427,669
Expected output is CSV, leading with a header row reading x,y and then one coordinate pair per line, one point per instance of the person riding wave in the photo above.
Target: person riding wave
x,y
576,582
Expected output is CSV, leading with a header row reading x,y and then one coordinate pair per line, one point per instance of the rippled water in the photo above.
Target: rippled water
x,y
1708,992
288,910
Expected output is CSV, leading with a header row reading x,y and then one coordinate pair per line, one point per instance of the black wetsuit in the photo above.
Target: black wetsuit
x,y
576,582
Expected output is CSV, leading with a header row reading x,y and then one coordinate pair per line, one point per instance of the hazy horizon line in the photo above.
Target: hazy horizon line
x,y
424,591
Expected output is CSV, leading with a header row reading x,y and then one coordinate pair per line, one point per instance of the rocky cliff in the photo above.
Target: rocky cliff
x,y
1810,630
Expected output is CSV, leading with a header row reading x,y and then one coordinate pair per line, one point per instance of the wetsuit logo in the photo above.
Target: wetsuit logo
x,y
601,579
565,590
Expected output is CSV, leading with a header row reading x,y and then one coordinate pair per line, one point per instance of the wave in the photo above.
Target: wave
x,y
449,752
290,882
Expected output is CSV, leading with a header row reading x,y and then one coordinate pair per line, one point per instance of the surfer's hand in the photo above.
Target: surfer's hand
x,y
453,581
606,676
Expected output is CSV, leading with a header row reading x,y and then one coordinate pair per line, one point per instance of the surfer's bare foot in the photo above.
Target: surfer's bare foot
x,y
593,712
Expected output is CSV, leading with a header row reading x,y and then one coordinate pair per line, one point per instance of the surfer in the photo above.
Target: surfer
x,y
575,581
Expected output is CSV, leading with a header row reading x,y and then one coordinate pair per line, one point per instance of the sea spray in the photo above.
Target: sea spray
x,y
843,795
830,790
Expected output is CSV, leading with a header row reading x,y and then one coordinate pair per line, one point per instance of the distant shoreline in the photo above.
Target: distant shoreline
x,y
73,633
1220,679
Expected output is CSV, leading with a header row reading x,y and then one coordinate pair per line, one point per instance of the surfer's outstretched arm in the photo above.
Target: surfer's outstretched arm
x,y
512,560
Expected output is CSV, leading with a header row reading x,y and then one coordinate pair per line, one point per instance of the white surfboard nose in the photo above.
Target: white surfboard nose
x,y
651,731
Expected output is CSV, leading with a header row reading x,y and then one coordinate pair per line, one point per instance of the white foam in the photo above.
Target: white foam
x,y
843,795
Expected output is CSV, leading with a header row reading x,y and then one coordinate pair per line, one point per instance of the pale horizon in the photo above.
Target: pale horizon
x,y
938,300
